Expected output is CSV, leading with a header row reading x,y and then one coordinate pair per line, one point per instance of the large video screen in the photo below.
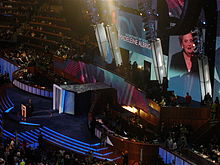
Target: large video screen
x,y
132,38
216,91
183,70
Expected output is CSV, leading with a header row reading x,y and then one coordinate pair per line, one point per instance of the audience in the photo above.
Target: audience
x,y
21,154
188,99
53,42
4,78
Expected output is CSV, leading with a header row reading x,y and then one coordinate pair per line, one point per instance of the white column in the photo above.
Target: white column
x,y
204,76
158,60
101,38
112,35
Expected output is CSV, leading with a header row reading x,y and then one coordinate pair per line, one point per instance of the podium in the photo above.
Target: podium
x,y
23,112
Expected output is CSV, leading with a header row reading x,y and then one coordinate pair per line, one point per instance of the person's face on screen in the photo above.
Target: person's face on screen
x,y
188,44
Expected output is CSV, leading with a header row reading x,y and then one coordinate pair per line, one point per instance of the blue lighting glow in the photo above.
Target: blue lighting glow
x,y
26,123
63,99
23,138
62,142
96,144
33,132
77,146
9,109
6,135
30,134
64,146
9,133
25,135
10,101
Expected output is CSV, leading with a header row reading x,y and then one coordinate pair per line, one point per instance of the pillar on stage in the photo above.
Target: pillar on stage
x,y
57,97
158,60
112,35
204,76
102,41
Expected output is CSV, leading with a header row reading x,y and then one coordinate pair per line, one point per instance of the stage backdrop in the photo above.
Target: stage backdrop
x,y
88,73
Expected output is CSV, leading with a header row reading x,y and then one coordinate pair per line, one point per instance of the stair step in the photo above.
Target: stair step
x,y
66,142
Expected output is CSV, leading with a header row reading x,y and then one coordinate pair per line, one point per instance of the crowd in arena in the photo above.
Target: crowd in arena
x,y
16,152
6,34
4,78
175,138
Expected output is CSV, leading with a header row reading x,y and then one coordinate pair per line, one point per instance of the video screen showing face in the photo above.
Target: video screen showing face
x,y
216,91
183,72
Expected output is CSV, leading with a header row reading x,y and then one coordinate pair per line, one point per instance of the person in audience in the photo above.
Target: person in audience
x,y
103,138
173,99
30,108
163,101
188,99
213,110
125,157
174,147
170,142
208,99
6,77
164,85
91,124
183,143
2,161
217,100
40,141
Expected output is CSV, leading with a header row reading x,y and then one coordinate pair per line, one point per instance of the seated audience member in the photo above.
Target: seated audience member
x,y
125,157
163,101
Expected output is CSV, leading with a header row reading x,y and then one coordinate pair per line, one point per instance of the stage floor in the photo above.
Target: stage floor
x,y
69,125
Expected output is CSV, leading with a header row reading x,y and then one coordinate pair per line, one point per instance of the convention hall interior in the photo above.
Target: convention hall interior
x,y
109,82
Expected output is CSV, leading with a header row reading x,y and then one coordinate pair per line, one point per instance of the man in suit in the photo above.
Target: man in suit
x,y
29,108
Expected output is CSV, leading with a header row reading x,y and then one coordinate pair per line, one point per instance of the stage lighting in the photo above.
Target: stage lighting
x,y
198,41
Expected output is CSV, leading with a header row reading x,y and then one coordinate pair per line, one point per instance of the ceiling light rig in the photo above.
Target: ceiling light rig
x,y
149,16
93,11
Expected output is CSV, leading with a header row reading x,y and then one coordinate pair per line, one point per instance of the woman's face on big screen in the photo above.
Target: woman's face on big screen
x,y
188,43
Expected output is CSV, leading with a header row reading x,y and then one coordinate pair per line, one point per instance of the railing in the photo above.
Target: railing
x,y
31,89
170,157
195,117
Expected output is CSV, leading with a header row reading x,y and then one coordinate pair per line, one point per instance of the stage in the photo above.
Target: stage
x,y
64,130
